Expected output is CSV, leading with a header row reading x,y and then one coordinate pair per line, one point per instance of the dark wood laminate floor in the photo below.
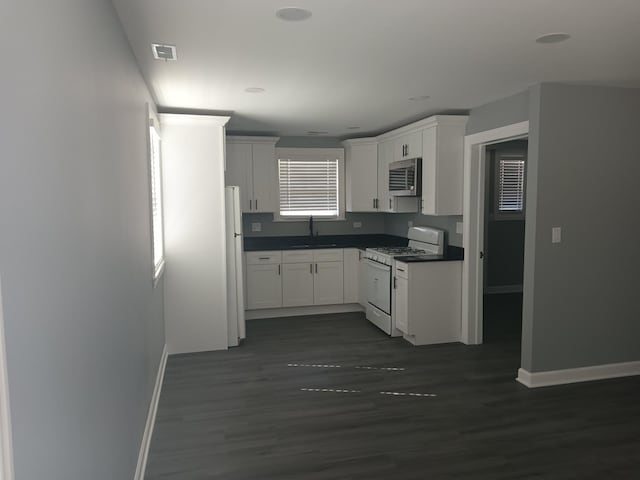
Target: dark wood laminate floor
x,y
241,414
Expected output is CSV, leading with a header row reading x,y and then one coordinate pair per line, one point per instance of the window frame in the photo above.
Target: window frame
x,y
309,152
153,128
498,214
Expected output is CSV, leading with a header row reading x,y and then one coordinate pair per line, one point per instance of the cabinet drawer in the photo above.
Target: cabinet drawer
x,y
328,255
296,256
263,258
401,270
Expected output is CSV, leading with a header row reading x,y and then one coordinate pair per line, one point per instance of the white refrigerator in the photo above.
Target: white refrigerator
x,y
235,282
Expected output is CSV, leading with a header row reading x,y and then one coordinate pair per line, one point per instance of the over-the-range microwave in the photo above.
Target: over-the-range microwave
x,y
405,178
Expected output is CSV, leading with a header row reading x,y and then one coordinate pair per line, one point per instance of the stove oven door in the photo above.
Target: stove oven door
x,y
379,285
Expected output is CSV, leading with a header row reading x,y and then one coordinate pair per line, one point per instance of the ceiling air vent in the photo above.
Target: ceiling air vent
x,y
164,52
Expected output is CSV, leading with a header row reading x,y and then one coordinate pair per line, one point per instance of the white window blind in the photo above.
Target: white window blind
x,y
308,187
156,202
511,182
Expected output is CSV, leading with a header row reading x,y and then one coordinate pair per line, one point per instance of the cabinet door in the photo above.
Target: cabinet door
x,y
362,280
297,284
328,286
265,183
401,304
408,146
264,286
239,172
361,171
385,156
351,270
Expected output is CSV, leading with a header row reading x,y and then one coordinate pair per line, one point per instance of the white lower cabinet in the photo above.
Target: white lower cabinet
x,y
297,284
362,279
263,279
328,284
400,305
427,301
297,278
264,286
351,275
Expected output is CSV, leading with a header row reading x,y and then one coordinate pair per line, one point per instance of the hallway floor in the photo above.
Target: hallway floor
x,y
261,412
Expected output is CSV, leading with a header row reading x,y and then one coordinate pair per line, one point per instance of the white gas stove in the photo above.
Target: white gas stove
x,y
422,241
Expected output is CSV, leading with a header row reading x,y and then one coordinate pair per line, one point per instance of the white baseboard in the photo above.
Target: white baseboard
x,y
575,375
301,311
151,419
503,289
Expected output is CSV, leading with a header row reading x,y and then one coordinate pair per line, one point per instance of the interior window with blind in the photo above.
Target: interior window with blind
x,y
156,201
511,183
309,185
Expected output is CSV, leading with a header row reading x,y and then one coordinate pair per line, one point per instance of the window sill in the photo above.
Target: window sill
x,y
277,218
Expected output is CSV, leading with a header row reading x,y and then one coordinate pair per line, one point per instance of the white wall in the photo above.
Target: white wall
x,y
195,284
84,326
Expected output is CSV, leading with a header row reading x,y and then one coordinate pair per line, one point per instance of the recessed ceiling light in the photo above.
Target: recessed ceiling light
x,y
353,128
316,132
419,98
553,38
254,90
293,14
164,52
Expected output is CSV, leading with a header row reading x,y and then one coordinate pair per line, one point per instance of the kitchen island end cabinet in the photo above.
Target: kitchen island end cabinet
x,y
427,301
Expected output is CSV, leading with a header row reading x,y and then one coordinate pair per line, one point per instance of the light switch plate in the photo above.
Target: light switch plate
x,y
556,235
459,227
256,227
357,224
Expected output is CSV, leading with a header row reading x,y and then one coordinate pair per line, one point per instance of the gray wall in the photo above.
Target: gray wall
x,y
398,223
84,326
582,175
371,223
506,111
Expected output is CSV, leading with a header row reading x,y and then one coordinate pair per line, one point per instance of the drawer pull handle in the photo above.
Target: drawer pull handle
x,y
264,258
400,269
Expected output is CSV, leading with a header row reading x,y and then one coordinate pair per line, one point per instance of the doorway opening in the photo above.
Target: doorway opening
x,y
504,222
475,164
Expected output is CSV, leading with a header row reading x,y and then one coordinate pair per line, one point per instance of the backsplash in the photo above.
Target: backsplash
x,y
398,224
370,223
389,223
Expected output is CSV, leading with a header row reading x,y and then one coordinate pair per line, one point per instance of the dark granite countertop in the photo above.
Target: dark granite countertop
x,y
451,254
252,244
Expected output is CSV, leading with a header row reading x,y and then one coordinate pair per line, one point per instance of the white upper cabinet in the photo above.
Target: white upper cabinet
x,y
361,173
408,146
442,165
251,164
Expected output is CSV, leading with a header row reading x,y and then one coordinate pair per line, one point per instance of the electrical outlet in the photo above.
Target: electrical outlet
x,y
556,235
459,227
256,227
357,224
410,223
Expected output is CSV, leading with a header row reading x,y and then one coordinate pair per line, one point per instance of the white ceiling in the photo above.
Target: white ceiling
x,y
356,62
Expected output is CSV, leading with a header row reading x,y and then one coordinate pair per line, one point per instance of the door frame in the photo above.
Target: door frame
x,y
473,227
6,442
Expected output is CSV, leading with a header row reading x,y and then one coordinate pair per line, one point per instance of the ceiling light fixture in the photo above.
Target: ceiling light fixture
x,y
553,38
293,14
419,98
254,90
